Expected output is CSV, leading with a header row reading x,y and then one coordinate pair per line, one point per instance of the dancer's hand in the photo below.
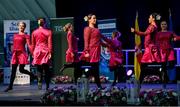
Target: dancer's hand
x,y
87,55
132,30
49,56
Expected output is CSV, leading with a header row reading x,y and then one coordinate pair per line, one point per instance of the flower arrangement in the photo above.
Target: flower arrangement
x,y
91,79
103,79
158,97
67,96
110,96
152,79
62,79
59,96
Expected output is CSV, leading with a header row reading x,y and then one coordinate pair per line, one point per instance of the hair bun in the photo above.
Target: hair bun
x,y
85,18
67,26
64,29
158,17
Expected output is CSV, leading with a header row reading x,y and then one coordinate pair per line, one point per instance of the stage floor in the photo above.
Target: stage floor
x,y
30,95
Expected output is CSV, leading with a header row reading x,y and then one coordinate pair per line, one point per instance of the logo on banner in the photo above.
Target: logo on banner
x,y
58,28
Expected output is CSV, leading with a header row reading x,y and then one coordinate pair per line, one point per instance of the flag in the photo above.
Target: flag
x,y
170,21
171,70
138,53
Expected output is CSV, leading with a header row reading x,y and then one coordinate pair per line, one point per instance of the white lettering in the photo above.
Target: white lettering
x,y
58,28
107,26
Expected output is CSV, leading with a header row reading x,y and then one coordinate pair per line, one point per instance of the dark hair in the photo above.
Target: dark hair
x,y
164,21
157,19
88,17
41,21
156,16
22,23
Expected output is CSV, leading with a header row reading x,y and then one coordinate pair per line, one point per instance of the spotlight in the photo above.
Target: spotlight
x,y
86,69
160,69
129,72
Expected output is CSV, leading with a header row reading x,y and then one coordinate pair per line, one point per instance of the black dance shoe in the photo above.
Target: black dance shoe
x,y
8,89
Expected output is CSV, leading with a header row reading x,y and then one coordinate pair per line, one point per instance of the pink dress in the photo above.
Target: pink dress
x,y
92,45
41,46
151,53
115,48
19,55
164,42
72,48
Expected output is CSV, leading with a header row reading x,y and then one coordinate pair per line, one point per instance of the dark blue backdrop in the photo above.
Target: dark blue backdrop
x,y
123,10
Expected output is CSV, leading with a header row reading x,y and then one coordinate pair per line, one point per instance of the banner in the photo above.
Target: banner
x,y
106,27
10,28
60,44
1,52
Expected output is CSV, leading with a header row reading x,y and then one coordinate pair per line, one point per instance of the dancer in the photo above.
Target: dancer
x,y
92,46
164,39
20,56
42,50
116,56
151,52
72,51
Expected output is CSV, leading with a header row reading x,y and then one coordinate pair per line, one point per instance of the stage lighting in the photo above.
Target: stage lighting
x,y
85,69
129,72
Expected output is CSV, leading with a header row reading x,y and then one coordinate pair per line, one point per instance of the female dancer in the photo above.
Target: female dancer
x,y
42,50
164,39
19,56
116,59
72,51
151,52
92,46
